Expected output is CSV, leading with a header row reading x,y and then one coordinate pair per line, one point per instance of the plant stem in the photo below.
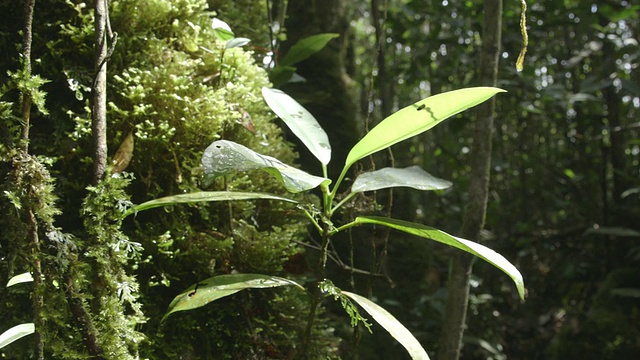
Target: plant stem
x,y
38,300
316,294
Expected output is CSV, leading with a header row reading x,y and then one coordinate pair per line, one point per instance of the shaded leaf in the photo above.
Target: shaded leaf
x,y
15,333
123,156
217,287
223,157
301,123
626,292
392,325
203,196
629,192
413,177
305,48
18,279
417,118
613,231
440,236
280,75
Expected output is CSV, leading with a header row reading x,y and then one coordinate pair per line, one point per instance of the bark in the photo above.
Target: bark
x,y
99,104
475,212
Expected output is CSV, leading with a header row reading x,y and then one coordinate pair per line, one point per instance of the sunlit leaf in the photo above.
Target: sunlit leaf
x,y
22,278
224,157
203,196
237,42
413,177
217,287
392,325
301,123
417,118
221,30
471,247
15,333
305,48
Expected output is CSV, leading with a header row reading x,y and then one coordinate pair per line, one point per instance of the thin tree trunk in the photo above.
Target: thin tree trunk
x,y
382,77
99,105
32,221
26,49
474,217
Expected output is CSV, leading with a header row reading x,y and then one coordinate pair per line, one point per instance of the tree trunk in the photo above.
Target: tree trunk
x,y
327,92
99,105
475,212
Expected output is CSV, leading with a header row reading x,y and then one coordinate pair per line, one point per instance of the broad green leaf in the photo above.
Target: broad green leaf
x,y
413,177
237,42
22,278
15,333
471,247
305,48
221,30
417,118
223,157
214,288
301,123
392,325
280,75
203,196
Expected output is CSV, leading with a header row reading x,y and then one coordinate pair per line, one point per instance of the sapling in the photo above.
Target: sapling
x,y
224,157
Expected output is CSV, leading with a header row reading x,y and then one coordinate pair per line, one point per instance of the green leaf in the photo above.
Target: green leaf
x,y
15,333
413,177
613,231
203,196
301,123
237,42
440,236
305,48
280,75
221,30
392,325
417,118
223,157
626,292
22,278
214,288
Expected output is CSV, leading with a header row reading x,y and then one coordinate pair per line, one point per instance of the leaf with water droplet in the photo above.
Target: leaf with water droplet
x,y
301,123
223,157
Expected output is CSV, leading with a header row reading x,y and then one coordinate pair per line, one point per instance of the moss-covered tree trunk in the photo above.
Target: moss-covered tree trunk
x,y
475,212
